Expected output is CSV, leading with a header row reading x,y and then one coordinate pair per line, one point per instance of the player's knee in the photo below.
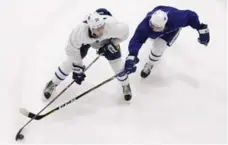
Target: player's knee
x,y
118,67
66,66
159,46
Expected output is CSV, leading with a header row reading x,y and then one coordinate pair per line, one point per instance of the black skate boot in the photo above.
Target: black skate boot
x,y
146,70
127,92
48,90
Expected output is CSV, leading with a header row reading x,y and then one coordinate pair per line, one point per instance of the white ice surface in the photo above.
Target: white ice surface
x,y
182,101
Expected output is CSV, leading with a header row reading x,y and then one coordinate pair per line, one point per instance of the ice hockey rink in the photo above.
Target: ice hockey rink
x,y
183,101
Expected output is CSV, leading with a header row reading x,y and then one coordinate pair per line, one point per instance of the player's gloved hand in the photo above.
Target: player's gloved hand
x,y
78,73
101,51
108,49
204,35
130,64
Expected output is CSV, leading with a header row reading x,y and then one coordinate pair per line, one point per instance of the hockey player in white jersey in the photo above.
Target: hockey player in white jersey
x,y
102,32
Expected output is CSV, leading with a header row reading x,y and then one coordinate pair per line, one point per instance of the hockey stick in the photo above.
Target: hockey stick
x,y
38,117
21,136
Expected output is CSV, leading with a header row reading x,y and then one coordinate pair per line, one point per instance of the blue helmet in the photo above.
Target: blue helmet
x,y
103,11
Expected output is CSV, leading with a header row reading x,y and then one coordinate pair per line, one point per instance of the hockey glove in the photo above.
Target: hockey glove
x,y
204,36
109,49
130,64
78,74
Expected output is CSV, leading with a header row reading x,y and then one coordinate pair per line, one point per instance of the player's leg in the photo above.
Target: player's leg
x,y
158,47
61,73
117,64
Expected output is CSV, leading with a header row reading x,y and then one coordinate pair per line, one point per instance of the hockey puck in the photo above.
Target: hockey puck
x,y
20,137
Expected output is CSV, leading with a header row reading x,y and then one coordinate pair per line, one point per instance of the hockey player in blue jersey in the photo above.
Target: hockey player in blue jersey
x,y
163,25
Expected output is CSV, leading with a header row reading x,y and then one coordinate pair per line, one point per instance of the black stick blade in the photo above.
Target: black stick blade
x,y
30,114
19,136
37,117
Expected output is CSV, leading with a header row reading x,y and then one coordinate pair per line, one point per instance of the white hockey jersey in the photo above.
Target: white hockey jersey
x,y
80,35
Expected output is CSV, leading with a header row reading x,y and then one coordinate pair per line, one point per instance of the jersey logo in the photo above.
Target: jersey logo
x,y
97,20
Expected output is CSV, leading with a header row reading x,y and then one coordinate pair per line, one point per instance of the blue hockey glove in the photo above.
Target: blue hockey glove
x,y
204,35
130,64
78,74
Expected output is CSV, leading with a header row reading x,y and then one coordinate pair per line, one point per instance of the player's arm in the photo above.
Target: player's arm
x,y
138,39
74,56
73,47
190,18
136,42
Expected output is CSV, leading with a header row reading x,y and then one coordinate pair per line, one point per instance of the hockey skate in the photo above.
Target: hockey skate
x,y
146,70
127,92
48,90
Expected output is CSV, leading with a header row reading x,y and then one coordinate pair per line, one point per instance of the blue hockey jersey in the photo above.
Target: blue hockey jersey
x,y
176,19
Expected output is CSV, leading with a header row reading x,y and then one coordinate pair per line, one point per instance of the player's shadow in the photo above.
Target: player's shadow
x,y
156,80
160,77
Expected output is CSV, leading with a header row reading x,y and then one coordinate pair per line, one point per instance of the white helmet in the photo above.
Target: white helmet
x,y
159,18
95,20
